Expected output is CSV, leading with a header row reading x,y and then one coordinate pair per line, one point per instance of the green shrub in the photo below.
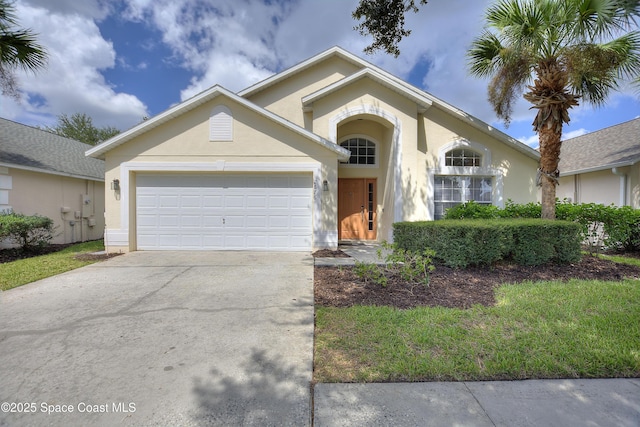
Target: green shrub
x,y
411,266
609,226
30,232
460,243
474,210
370,272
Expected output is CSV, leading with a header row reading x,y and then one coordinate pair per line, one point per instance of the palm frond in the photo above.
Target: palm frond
x,y
484,55
18,47
595,70
506,86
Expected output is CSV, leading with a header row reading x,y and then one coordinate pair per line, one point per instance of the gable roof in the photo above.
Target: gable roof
x,y
196,101
397,84
29,148
615,146
422,101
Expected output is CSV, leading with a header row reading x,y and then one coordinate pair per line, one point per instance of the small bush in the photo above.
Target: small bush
x,y
370,272
411,266
30,232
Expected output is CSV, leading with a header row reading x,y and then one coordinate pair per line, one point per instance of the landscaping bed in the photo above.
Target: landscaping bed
x,y
459,288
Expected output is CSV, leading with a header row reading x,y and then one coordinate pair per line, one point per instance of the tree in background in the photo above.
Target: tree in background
x,y
18,49
384,21
573,49
80,127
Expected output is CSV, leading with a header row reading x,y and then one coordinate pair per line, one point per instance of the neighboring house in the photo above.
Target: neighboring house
x,y
333,148
46,174
602,167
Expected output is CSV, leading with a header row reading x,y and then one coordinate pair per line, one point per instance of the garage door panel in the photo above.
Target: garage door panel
x,y
224,212
191,201
212,201
168,201
234,202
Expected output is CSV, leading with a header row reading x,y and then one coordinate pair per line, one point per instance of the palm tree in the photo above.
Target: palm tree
x,y
18,49
575,50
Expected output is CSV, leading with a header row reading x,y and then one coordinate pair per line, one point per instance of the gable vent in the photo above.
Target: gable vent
x,y
221,124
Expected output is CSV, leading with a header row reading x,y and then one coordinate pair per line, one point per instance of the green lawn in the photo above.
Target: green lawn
x,y
579,329
23,271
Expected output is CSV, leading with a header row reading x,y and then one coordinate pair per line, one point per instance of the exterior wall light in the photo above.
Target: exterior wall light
x,y
115,185
325,185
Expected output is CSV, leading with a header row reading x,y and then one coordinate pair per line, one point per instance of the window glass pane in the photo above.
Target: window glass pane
x,y
363,151
462,157
450,191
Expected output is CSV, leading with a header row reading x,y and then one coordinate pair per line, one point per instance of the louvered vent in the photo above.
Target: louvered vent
x,y
221,124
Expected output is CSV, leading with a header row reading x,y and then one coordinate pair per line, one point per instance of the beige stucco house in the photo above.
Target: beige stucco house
x,y
331,149
46,174
602,167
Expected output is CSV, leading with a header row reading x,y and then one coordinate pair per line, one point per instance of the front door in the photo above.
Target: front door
x,y
357,209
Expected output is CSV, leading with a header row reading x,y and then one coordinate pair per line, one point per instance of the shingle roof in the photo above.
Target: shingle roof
x,y
615,146
25,147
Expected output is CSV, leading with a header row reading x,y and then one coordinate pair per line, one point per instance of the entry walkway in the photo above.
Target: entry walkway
x,y
358,251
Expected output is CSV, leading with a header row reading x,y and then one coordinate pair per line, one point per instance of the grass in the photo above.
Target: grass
x,y
576,329
622,259
23,271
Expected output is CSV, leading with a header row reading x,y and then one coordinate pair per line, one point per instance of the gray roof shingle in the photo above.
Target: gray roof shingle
x,y
29,147
615,146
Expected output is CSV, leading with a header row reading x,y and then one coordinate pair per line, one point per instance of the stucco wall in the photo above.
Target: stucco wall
x,y
370,109
47,194
284,98
183,144
602,187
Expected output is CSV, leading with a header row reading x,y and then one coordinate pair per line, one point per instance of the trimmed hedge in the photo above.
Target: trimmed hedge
x,y
30,232
609,226
459,244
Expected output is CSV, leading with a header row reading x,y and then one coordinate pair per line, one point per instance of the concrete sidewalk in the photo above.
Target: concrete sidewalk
x,y
562,403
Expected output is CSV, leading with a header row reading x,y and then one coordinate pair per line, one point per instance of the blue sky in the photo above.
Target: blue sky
x,y
121,60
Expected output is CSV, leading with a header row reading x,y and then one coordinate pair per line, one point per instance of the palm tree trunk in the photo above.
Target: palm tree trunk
x,y
552,100
550,141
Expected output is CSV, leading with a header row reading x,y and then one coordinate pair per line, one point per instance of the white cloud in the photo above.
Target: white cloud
x,y
235,44
95,9
574,134
72,81
532,141
231,44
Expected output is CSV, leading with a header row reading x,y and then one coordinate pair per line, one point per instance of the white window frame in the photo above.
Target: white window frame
x,y
376,147
483,171
464,190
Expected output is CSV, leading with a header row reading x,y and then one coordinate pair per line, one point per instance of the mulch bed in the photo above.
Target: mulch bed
x,y
328,253
460,288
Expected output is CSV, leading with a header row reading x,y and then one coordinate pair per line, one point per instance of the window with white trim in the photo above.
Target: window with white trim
x,y
221,124
462,177
450,191
462,157
363,151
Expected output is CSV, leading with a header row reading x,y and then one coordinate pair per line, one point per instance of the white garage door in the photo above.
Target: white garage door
x,y
252,212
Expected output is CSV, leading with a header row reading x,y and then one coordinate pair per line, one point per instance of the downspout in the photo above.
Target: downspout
x,y
623,185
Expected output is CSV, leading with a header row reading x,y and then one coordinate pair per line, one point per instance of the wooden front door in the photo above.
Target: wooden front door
x,y
357,209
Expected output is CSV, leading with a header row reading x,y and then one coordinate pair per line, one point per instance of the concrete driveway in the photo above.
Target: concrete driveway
x,y
161,338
